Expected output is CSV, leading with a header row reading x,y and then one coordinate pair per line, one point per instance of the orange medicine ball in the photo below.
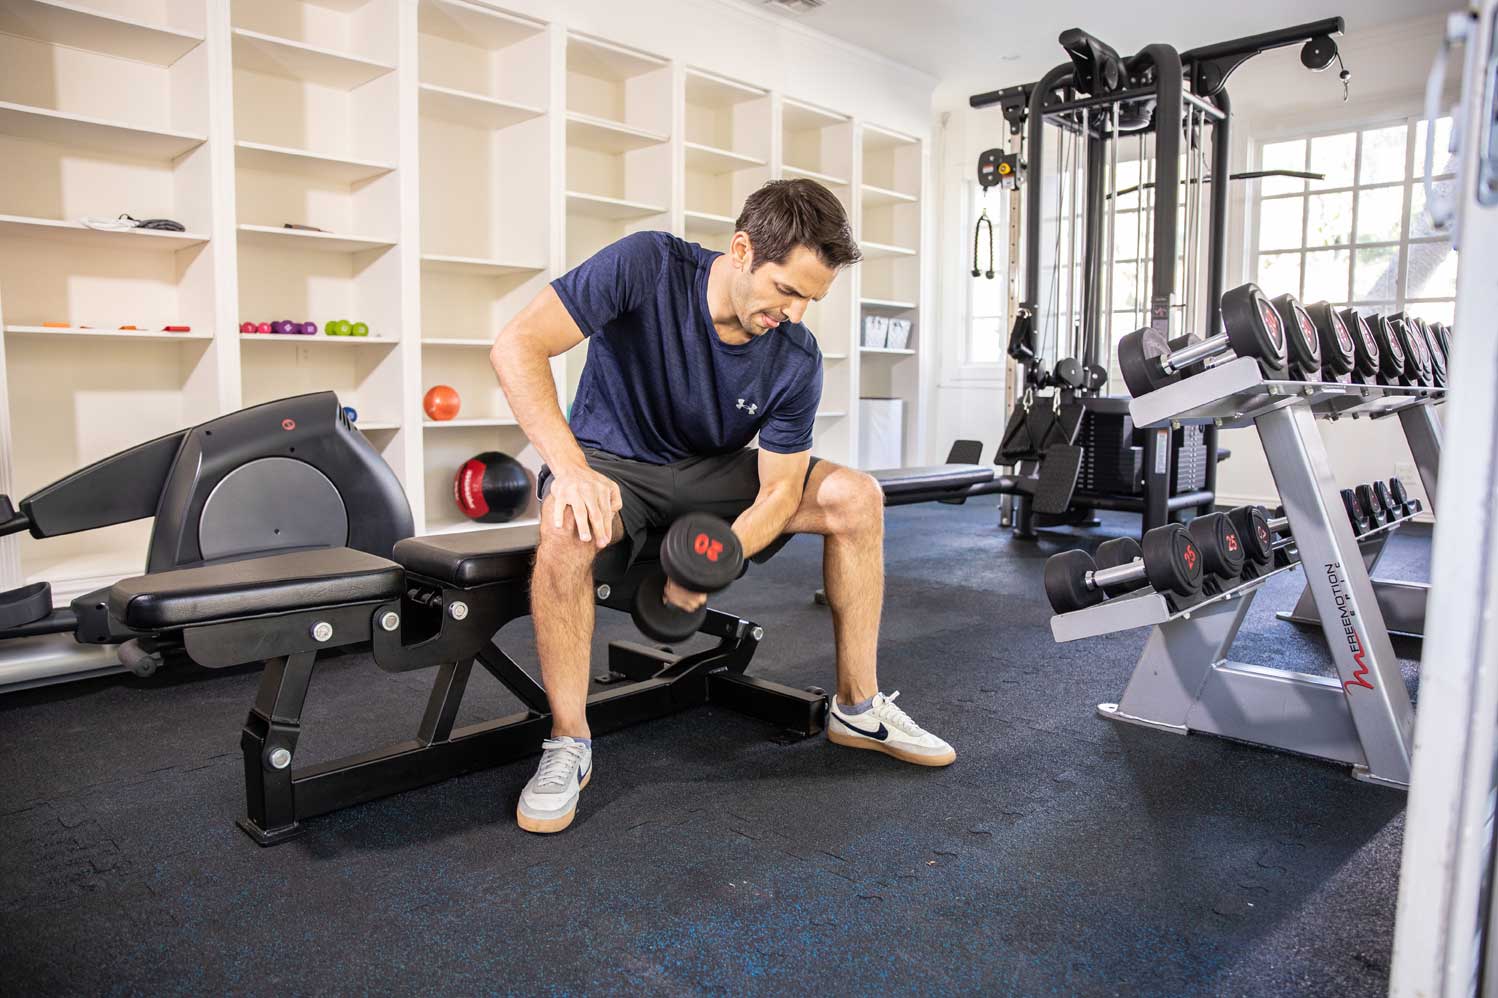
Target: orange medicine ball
x,y
441,403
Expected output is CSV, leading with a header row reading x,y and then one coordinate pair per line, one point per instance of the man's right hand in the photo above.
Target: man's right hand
x,y
593,499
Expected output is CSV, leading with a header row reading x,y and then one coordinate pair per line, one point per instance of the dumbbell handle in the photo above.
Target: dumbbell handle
x,y
1186,356
1118,575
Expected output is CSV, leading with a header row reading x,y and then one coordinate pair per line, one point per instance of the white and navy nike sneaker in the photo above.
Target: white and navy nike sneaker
x,y
888,729
549,801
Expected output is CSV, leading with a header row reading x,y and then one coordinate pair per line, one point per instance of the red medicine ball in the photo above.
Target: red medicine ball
x,y
492,488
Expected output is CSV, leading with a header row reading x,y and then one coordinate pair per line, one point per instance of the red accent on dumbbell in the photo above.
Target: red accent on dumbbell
x,y
1190,557
288,425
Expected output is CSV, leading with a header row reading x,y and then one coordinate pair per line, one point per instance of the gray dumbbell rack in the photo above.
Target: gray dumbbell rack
x,y
1184,681
1403,603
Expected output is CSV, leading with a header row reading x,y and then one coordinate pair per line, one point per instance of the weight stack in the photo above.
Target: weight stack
x,y
1111,461
1191,459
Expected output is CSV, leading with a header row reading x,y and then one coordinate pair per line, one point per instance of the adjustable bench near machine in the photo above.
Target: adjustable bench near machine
x,y
440,603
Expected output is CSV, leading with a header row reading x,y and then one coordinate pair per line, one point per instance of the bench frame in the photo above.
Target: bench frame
x,y
453,629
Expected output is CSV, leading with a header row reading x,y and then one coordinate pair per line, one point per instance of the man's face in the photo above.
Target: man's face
x,y
772,293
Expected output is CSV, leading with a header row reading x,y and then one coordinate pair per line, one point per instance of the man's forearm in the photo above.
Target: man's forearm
x,y
525,376
759,525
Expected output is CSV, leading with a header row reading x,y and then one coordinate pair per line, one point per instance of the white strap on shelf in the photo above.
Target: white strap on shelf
x,y
107,224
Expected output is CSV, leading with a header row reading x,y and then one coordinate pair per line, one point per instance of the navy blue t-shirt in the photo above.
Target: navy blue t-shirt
x,y
659,385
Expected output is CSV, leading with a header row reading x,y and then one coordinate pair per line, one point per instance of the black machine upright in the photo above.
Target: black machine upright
x,y
1073,448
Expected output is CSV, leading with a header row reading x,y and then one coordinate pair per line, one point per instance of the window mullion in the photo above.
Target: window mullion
x,y
1404,215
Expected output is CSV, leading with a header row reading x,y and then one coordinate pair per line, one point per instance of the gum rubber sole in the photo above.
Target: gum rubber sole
x,y
546,826
854,741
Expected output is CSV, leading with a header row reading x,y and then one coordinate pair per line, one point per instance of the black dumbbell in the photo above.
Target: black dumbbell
x,y
1438,370
1338,353
1254,329
1170,561
1401,498
1443,333
1256,530
1302,341
1415,347
701,553
1368,500
1365,346
1359,517
1115,553
1385,500
1394,365
1222,551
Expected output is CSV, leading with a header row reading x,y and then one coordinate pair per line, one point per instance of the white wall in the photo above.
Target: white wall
x,y
1272,92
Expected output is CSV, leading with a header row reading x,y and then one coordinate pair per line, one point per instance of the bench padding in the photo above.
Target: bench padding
x,y
468,559
300,580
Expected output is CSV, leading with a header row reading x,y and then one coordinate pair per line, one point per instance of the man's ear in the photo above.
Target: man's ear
x,y
741,251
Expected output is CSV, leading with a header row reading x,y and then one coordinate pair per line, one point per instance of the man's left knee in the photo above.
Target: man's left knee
x,y
856,502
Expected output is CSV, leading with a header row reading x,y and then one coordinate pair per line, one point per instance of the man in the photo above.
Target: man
x,y
691,354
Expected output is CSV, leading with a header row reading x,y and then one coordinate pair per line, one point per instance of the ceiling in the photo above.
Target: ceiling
x,y
971,46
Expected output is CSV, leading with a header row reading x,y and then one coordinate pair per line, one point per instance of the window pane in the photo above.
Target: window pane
x,y
1329,219
987,343
1432,271
1378,214
1283,156
1434,311
1443,161
1279,223
1125,235
1279,273
1128,176
1125,294
989,297
1333,155
1383,155
1326,276
1373,274
1419,220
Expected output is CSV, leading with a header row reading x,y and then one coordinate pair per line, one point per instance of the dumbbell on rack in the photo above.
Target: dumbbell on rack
x,y
1366,366
1169,560
1302,341
1254,329
701,553
1222,550
1338,352
1430,346
1415,348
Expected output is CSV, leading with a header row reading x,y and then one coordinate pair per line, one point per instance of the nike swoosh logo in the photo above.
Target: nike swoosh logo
x,y
881,735
582,773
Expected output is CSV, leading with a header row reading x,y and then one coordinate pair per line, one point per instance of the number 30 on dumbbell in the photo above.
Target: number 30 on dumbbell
x,y
1254,329
700,553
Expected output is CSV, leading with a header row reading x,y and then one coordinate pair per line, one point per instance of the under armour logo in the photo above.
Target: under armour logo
x,y
753,407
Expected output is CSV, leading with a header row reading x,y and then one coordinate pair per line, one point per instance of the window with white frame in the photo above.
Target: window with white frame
x,y
1359,236
988,300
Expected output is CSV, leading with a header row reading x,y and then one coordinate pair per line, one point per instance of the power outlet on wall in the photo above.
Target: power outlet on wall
x,y
1405,471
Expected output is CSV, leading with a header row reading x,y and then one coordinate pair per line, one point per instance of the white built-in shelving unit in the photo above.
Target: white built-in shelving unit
x,y
422,166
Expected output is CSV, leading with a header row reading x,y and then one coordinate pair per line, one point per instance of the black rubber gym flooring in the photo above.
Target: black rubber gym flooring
x,y
1061,855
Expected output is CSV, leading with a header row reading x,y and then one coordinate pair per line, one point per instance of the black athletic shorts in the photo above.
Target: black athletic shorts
x,y
653,495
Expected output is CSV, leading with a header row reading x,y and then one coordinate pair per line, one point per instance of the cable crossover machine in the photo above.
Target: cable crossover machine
x,y
1074,449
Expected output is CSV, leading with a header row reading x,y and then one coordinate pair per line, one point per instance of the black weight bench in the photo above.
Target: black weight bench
x,y
439,603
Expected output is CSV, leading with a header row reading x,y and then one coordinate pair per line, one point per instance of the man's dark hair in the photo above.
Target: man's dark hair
x,y
784,214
